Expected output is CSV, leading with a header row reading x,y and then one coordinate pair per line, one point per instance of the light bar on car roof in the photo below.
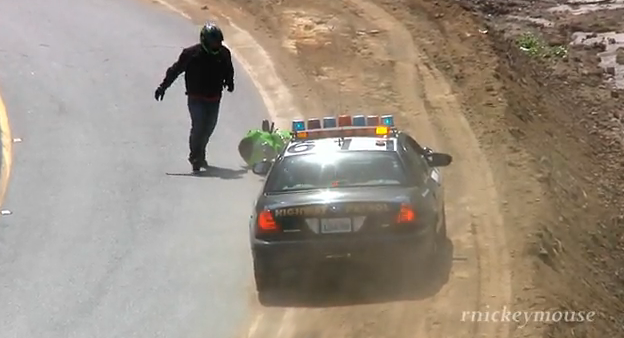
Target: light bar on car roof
x,y
372,131
342,121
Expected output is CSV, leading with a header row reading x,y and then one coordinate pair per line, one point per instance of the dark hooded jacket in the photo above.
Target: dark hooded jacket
x,y
205,74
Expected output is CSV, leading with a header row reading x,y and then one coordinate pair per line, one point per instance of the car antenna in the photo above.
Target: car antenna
x,y
341,140
332,26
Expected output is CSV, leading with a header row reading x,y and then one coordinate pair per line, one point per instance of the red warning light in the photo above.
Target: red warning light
x,y
344,121
314,123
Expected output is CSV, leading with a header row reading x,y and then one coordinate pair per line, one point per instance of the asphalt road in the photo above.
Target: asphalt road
x,y
102,243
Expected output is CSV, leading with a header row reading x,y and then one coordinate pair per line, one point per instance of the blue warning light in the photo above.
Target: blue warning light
x,y
387,120
298,125
329,122
359,120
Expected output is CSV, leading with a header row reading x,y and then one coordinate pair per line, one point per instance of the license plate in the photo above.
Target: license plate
x,y
336,225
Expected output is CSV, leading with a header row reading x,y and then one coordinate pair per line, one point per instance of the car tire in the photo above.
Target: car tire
x,y
442,234
439,241
266,280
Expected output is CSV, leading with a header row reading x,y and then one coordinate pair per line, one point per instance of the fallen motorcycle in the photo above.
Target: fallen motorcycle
x,y
263,144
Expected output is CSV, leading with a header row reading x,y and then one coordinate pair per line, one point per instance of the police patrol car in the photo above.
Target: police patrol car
x,y
352,187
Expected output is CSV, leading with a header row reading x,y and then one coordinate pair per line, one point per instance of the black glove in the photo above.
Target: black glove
x,y
230,87
160,93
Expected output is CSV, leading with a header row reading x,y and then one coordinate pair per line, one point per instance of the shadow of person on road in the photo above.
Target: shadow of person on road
x,y
223,173
357,285
213,171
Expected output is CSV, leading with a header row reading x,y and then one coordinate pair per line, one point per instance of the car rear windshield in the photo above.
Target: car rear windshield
x,y
339,169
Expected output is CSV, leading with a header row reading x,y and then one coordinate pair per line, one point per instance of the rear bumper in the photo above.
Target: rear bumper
x,y
370,250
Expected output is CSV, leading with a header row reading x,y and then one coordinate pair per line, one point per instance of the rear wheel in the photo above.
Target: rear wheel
x,y
427,264
440,240
442,234
441,262
267,280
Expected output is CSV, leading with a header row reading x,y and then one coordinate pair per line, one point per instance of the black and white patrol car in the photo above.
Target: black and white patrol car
x,y
368,193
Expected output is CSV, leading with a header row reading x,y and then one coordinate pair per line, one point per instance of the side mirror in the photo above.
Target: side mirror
x,y
261,168
265,125
439,159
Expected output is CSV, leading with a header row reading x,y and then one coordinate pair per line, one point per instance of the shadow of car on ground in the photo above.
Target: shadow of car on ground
x,y
339,284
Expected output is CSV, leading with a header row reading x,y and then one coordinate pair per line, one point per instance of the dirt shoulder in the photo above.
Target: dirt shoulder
x,y
534,126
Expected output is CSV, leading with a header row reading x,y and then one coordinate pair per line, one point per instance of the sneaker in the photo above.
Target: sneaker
x,y
204,164
196,167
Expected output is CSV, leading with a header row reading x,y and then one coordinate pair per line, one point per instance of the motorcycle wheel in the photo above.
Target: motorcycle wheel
x,y
245,149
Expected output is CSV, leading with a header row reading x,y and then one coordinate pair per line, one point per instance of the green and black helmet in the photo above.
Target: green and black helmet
x,y
210,37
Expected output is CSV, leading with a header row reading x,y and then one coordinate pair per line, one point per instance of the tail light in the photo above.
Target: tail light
x,y
406,214
266,222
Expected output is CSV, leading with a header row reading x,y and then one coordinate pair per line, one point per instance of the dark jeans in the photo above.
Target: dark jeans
x,y
204,116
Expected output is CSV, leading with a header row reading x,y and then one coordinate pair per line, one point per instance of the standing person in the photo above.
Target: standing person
x,y
208,69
